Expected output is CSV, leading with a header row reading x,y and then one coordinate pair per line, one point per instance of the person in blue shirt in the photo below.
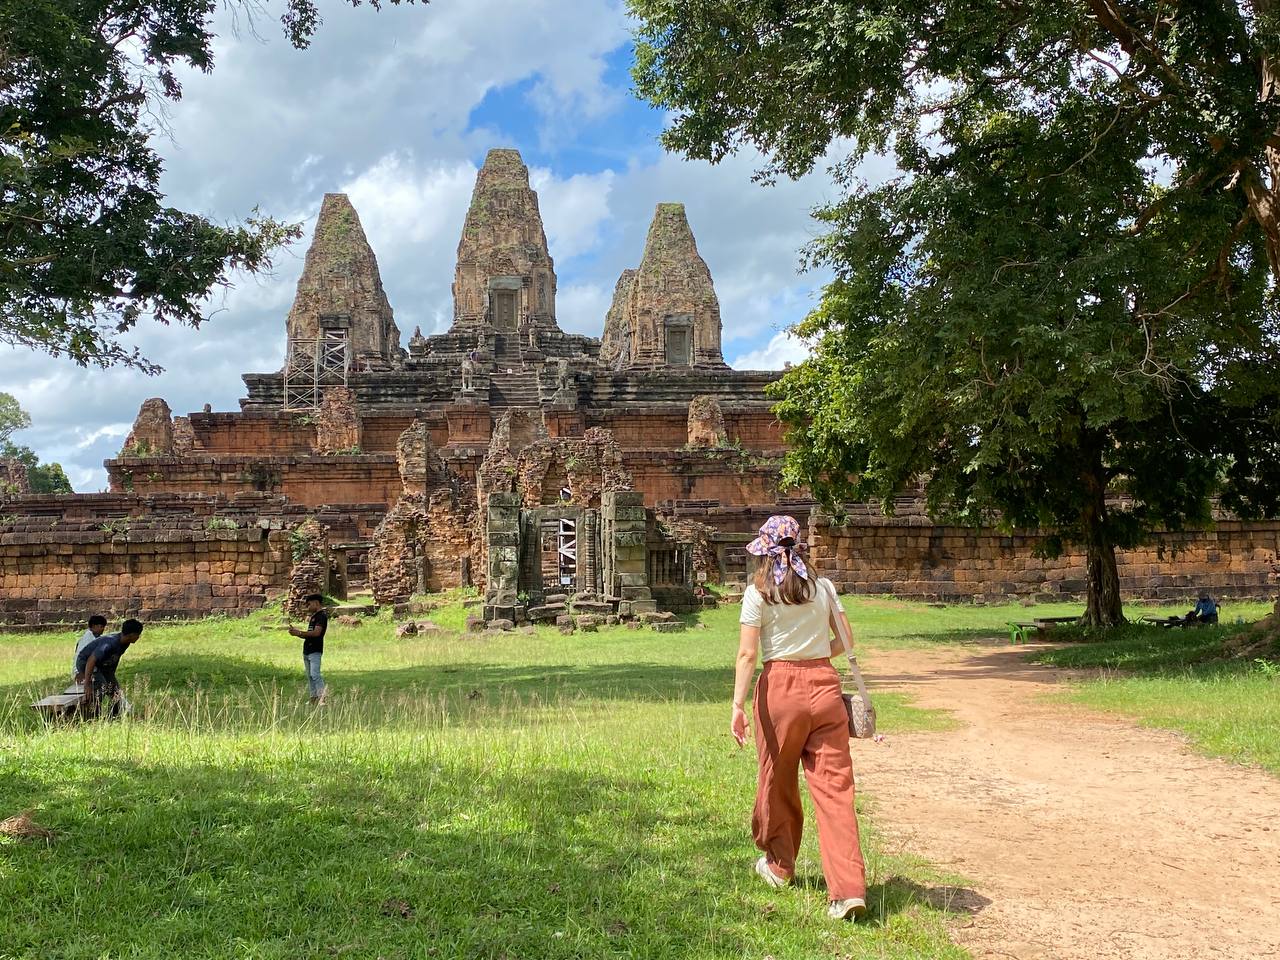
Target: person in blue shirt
x,y
97,664
1206,610
97,625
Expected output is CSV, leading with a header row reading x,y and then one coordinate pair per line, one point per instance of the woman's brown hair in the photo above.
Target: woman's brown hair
x,y
792,590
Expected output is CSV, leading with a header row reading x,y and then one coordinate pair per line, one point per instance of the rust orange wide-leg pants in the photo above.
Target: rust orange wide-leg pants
x,y
800,719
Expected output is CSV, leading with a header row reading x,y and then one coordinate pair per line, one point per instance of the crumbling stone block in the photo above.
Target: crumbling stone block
x,y
706,423
310,574
184,437
615,345
152,433
417,546
547,613
661,616
337,422
14,481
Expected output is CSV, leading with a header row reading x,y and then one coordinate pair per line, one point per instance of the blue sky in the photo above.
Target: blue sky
x,y
397,109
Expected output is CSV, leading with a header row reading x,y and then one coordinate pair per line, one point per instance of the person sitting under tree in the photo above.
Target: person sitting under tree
x,y
97,624
1206,610
313,644
97,665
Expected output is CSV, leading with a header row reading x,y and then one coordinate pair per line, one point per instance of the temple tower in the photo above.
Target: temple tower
x,y
615,344
340,295
505,277
671,316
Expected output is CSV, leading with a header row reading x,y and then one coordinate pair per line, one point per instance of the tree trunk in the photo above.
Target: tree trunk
x,y
1102,580
1263,191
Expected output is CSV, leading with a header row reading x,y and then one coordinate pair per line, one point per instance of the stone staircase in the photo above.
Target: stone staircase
x,y
506,351
518,389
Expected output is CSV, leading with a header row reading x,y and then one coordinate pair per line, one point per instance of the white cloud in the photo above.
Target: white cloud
x,y
580,307
110,431
573,210
400,202
782,349
412,213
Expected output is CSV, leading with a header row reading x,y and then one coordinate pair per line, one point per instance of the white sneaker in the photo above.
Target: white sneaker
x,y
767,875
854,907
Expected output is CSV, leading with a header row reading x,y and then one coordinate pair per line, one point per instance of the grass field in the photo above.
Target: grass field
x,y
498,797
482,796
1179,680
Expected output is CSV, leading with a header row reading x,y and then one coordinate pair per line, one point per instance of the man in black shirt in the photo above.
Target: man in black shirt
x,y
313,644
97,664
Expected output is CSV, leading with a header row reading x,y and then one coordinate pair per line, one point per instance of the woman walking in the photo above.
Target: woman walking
x,y
800,718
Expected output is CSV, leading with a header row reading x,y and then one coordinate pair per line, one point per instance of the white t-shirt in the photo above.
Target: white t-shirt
x,y
86,638
799,631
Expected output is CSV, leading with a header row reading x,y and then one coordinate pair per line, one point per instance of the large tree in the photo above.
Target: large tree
x,y
87,245
42,477
1061,314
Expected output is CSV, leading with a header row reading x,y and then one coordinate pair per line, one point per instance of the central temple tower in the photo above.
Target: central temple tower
x,y
505,278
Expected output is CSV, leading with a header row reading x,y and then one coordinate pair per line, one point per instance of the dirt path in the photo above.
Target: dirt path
x,y
1090,837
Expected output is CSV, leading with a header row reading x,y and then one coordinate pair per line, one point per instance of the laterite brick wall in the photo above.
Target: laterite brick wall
x,y
145,568
910,557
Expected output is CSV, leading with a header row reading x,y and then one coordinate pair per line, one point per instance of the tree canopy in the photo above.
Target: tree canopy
x,y
12,417
87,245
42,477
1061,313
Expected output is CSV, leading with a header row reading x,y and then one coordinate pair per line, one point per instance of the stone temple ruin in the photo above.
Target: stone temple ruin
x,y
504,453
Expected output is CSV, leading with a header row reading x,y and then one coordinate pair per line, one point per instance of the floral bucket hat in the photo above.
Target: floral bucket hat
x,y
780,538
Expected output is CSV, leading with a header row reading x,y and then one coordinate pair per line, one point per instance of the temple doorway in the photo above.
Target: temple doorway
x,y
558,556
504,310
679,333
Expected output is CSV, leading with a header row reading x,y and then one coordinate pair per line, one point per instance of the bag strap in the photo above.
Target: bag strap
x,y
842,631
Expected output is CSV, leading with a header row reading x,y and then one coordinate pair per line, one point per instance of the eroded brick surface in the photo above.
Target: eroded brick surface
x,y
337,423
152,433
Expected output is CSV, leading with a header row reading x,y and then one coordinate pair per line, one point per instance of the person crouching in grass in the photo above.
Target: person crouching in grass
x,y
97,664
313,645
97,626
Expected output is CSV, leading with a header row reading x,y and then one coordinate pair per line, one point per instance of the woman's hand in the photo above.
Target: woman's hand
x,y
738,724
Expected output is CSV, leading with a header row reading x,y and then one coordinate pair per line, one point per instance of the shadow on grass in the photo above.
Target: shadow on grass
x,y
958,635
377,856
1144,648
898,894
1004,664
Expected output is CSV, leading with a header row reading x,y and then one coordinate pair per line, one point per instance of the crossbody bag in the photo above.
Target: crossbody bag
x,y
862,714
